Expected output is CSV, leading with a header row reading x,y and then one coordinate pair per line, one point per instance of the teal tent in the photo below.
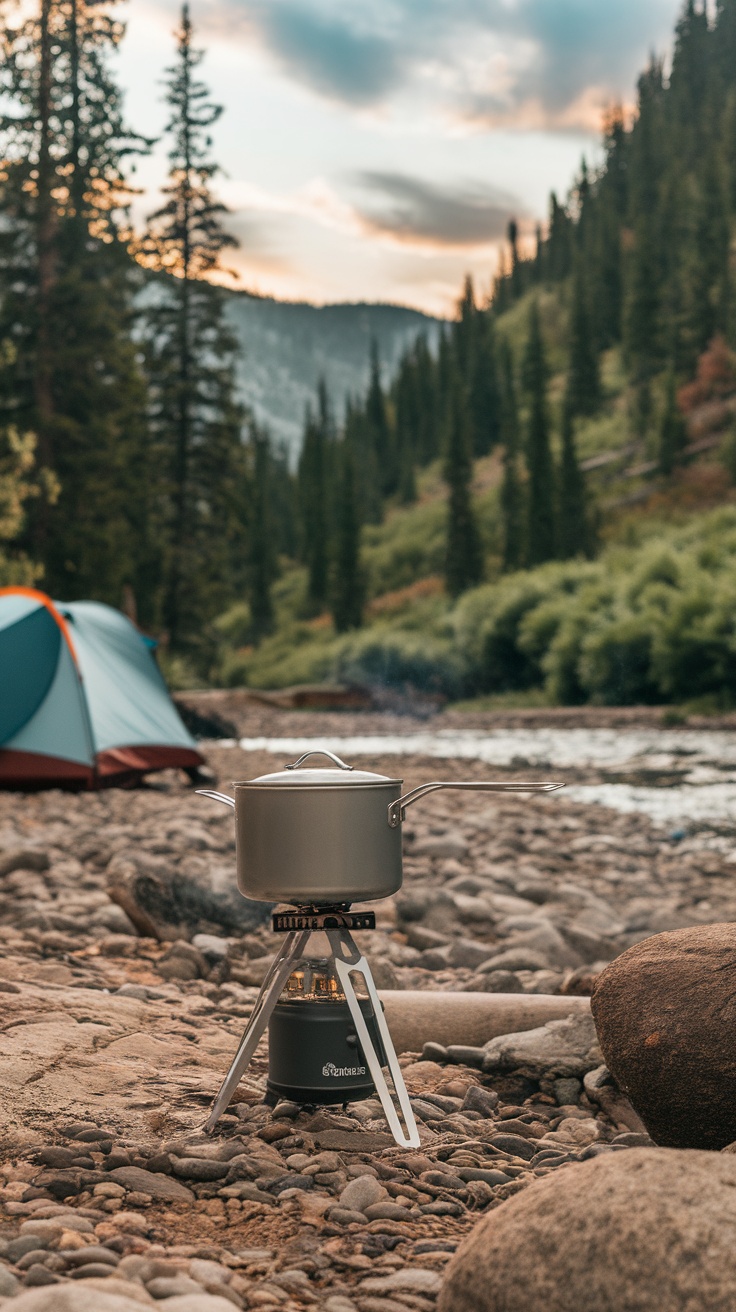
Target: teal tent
x,y
82,700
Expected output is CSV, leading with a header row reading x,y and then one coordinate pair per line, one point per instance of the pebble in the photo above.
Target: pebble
x,y
361,1193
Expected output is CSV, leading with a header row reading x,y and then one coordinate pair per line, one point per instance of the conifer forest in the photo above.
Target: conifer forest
x,y
541,506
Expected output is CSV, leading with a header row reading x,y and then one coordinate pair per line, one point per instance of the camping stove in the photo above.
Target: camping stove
x,y
328,1038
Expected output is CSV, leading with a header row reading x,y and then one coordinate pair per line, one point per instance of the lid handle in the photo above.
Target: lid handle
x,y
397,809
319,751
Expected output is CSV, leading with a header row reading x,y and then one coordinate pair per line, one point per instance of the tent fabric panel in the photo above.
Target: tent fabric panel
x,y
59,727
34,769
15,606
128,702
29,656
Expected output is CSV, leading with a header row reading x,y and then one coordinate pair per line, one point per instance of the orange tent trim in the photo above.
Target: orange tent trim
x,y
43,600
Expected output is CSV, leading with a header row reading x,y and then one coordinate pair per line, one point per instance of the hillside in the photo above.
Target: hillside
x,y
288,346
648,620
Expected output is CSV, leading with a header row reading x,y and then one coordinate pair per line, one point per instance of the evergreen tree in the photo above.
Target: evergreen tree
x,y
512,495
348,586
583,378
464,553
195,417
672,429
66,294
572,531
378,431
483,390
407,408
261,553
313,482
541,494
558,242
516,263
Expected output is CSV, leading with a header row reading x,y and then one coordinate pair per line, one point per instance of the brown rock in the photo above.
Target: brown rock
x,y
136,1179
638,1231
23,858
665,1012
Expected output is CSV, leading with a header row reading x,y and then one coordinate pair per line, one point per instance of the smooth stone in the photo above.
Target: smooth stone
x,y
640,1229
414,1279
38,1275
345,1216
199,1169
91,1253
566,1047
134,1178
490,1177
99,1269
666,1015
170,1286
463,1055
362,1192
514,1143
478,1099
17,1248
387,1212
8,1283
434,1052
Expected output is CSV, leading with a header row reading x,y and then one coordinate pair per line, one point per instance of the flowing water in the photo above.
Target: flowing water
x,y
678,777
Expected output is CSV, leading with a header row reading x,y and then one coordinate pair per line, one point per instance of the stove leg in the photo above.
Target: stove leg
x,y
347,961
278,972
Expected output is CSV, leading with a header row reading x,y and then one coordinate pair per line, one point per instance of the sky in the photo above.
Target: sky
x,y
376,149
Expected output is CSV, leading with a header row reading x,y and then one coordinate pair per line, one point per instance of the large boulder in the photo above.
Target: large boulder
x,y
640,1230
665,1011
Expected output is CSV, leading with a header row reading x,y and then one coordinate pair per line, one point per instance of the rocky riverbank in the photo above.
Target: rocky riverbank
x,y
127,971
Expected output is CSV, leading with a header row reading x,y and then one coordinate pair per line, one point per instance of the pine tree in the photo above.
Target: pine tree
x,y
483,389
261,547
583,379
672,429
406,405
195,417
559,241
66,294
313,482
572,531
512,495
348,585
541,493
378,430
464,553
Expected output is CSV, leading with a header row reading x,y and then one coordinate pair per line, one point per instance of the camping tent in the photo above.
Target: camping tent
x,y
82,701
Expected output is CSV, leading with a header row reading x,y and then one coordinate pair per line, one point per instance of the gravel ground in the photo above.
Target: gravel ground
x,y
113,1042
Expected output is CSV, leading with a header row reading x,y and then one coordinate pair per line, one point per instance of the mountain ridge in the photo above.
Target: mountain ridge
x,y
287,346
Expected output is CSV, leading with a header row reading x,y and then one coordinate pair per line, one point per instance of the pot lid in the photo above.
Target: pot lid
x,y
340,775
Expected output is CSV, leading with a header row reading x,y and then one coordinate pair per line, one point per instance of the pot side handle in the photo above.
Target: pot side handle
x,y
217,797
397,809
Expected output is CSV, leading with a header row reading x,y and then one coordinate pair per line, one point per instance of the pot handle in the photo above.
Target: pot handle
x,y
319,751
397,809
217,797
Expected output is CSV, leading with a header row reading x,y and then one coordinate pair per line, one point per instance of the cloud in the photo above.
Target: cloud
x,y
480,59
330,55
418,212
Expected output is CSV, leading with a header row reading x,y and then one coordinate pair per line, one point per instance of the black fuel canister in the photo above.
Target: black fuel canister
x,y
314,1055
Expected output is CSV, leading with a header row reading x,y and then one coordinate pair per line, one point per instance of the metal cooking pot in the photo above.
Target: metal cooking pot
x,y
327,835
